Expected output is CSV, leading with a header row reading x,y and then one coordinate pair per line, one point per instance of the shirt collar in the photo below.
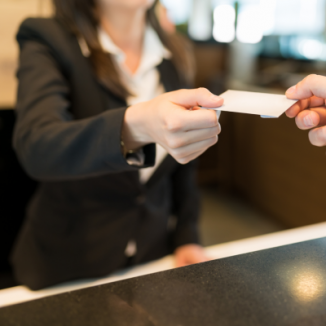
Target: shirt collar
x,y
108,45
153,50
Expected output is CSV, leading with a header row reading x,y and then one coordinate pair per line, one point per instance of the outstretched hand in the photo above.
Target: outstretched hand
x,y
310,111
175,121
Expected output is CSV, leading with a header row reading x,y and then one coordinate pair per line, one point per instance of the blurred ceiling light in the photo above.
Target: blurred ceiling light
x,y
268,11
224,24
311,49
250,26
308,12
178,10
200,24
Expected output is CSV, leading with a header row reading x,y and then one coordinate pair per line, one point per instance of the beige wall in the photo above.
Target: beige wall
x,y
12,12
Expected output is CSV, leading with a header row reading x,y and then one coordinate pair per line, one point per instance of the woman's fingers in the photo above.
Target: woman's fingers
x,y
187,153
180,119
317,136
195,97
169,121
182,138
191,157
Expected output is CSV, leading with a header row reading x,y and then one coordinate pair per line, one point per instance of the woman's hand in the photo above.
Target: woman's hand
x,y
310,111
189,254
174,121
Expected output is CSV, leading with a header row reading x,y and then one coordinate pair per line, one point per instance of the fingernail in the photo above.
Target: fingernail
x,y
215,97
291,90
308,121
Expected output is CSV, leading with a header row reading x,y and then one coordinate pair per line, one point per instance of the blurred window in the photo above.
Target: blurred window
x,y
286,28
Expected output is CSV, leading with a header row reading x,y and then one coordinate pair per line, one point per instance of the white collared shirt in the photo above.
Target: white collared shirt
x,y
145,83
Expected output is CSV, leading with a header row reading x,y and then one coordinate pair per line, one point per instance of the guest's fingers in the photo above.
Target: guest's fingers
x,y
311,118
313,85
307,119
317,136
312,102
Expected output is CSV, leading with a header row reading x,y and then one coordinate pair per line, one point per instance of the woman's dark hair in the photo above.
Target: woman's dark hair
x,y
80,17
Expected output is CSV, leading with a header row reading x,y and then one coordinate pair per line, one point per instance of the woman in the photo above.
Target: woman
x,y
91,107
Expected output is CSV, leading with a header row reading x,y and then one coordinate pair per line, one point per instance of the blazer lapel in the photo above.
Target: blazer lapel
x,y
169,76
166,167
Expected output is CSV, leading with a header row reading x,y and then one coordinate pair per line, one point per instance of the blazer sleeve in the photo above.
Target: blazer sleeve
x,y
186,201
49,142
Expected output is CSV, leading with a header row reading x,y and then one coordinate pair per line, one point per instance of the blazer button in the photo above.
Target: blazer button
x,y
140,200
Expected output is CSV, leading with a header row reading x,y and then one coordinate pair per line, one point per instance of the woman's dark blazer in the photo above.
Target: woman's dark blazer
x,y
89,202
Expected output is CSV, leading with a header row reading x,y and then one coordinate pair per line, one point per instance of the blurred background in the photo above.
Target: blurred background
x,y
263,175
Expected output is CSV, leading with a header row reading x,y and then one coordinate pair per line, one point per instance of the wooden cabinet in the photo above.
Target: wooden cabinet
x,y
277,168
271,163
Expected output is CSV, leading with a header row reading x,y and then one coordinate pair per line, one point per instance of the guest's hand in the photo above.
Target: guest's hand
x,y
310,111
174,121
190,254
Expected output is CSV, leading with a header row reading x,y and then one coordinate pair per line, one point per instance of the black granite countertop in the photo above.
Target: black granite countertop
x,y
274,287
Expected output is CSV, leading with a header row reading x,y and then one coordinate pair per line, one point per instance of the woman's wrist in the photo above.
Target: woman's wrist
x,y
134,131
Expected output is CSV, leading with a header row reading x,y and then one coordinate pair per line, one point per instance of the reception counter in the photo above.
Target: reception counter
x,y
283,285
